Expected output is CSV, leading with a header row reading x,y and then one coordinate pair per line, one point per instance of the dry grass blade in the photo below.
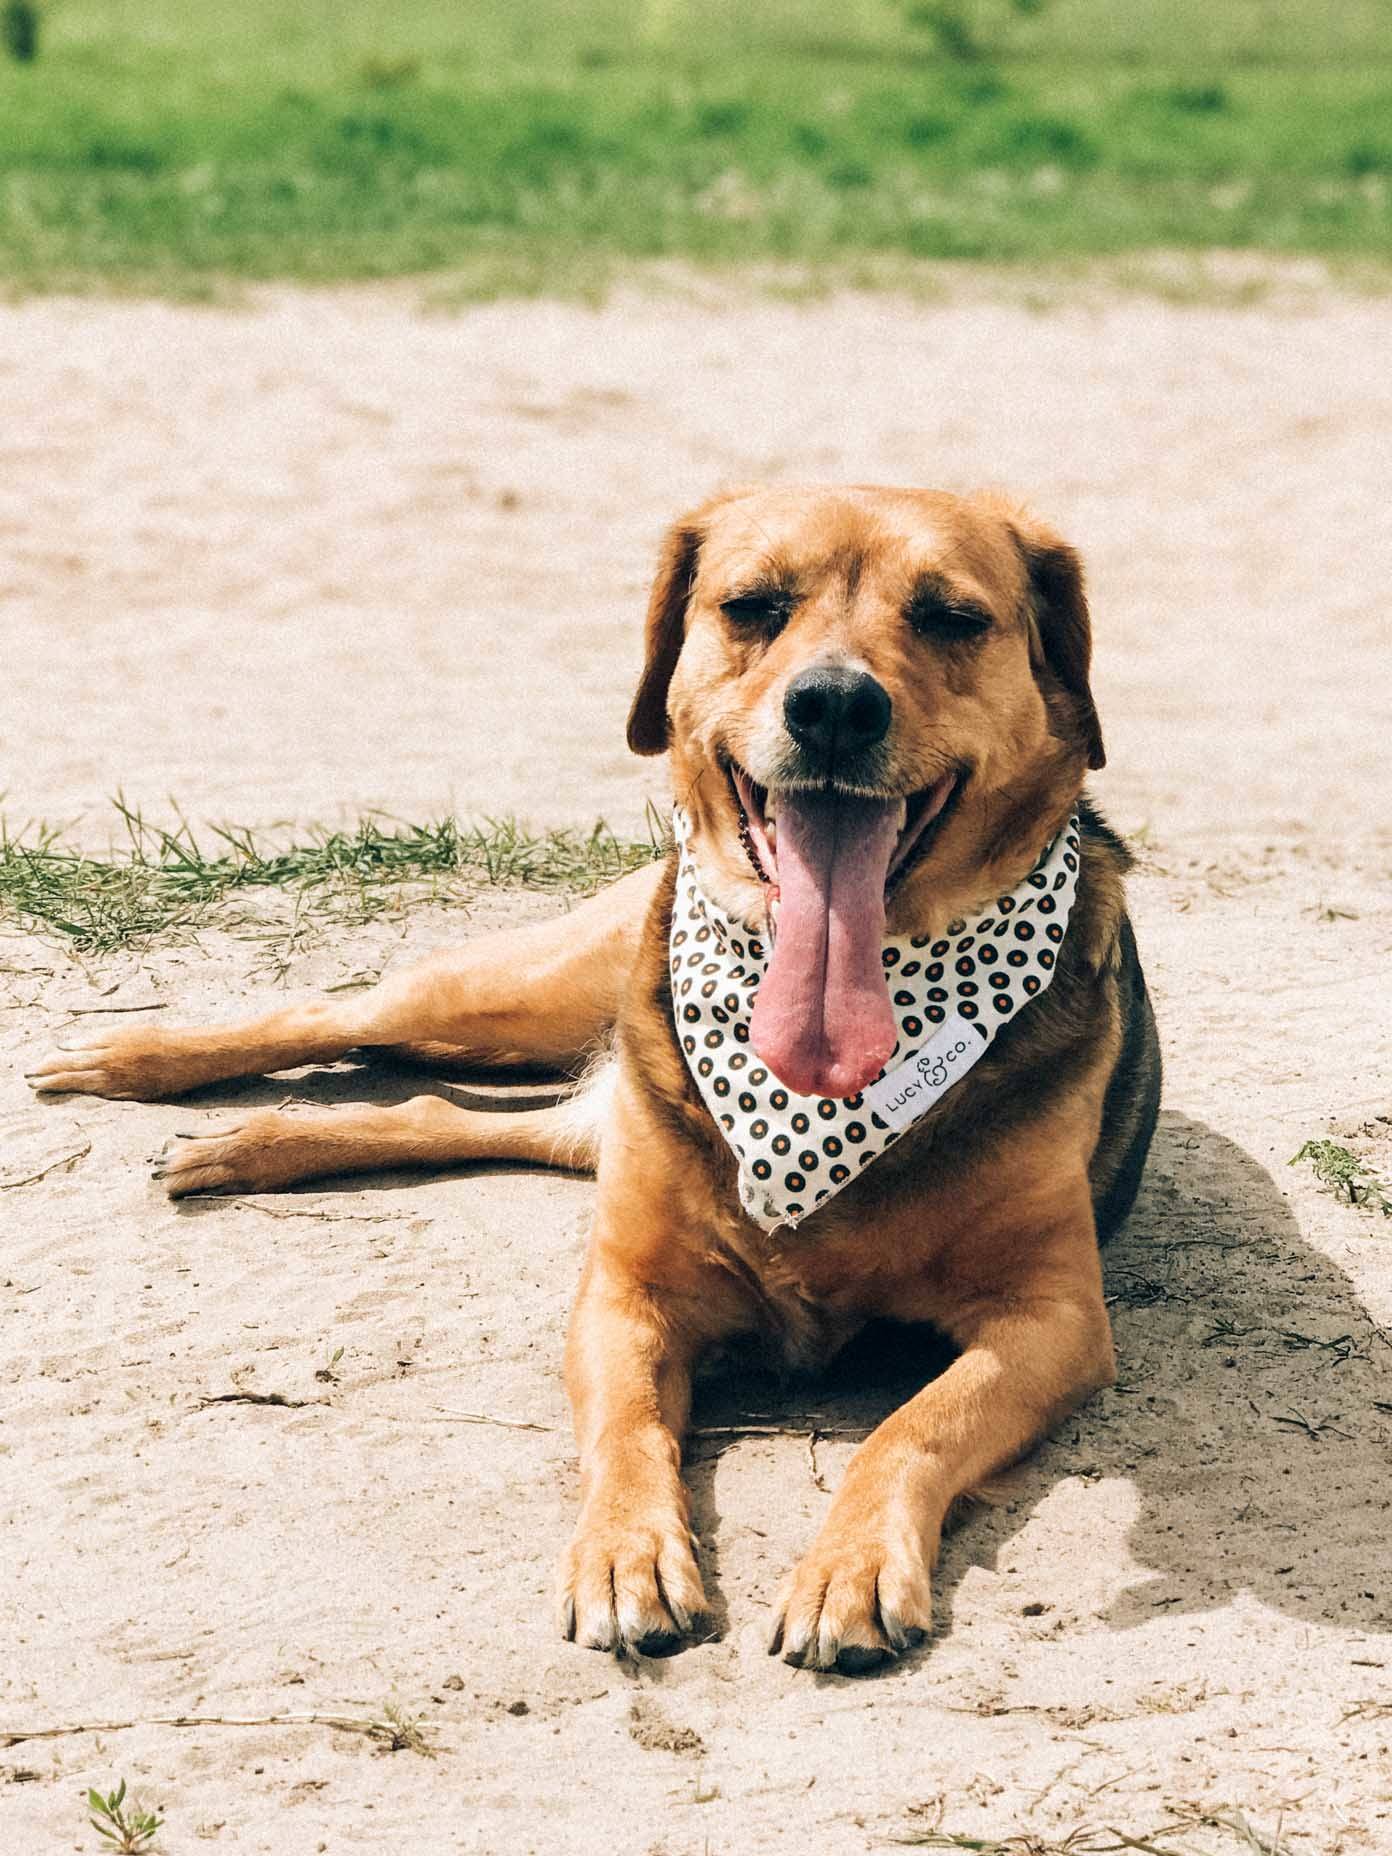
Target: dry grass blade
x,y
61,1164
1107,1840
279,1211
488,1417
106,1011
1077,1843
395,1730
1313,1428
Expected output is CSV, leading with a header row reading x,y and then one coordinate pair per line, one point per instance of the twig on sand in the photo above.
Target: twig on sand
x,y
1105,1840
1340,1350
257,1398
796,1429
274,1211
94,1011
32,1179
395,1730
814,1432
1313,1428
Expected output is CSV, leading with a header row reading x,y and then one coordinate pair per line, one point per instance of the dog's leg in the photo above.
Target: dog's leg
x,y
1033,1348
629,1579
274,1148
545,994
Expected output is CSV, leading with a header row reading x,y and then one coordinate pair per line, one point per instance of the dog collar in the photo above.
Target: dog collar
x,y
950,994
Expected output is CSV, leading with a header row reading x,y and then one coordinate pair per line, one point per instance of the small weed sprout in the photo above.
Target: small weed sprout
x,y
400,1732
1346,1176
327,1374
129,1831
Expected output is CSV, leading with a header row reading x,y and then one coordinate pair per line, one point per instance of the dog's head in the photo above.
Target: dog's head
x,y
880,698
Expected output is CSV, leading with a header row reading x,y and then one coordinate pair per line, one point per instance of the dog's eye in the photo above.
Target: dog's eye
x,y
762,611
934,617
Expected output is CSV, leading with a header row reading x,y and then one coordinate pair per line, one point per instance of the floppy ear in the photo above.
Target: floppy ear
x,y
1061,635
666,627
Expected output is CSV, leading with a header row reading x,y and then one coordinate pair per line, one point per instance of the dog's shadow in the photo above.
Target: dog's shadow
x,y
1250,1415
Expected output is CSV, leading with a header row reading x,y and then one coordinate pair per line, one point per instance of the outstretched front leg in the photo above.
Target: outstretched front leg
x,y
649,1303
1035,1342
545,994
629,1581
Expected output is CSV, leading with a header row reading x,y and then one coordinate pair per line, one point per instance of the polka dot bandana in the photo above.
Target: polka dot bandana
x,y
950,997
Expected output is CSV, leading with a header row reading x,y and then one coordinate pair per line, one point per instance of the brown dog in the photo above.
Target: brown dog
x,y
878,711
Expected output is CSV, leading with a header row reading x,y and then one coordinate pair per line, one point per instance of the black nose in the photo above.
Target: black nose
x,y
832,710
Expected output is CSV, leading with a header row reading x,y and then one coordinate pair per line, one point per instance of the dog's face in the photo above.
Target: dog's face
x,y
876,702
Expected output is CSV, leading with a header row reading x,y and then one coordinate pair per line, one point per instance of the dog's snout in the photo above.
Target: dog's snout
x,y
832,709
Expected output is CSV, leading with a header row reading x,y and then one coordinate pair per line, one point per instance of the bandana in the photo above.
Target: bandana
x,y
950,996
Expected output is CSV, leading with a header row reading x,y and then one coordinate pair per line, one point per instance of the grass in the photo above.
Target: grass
x,y
162,883
1346,1176
174,144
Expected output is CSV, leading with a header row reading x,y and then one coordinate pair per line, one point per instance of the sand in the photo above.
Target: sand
x,y
325,552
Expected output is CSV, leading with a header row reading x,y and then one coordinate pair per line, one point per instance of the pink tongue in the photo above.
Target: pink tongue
x,y
822,1020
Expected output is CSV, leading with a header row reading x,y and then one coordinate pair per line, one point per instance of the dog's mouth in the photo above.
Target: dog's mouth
x,y
822,1018
917,819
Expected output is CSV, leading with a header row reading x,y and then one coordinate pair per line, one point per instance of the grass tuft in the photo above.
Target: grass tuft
x,y
163,883
1346,1176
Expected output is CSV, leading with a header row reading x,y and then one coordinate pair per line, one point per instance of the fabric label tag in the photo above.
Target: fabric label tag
x,y
902,1096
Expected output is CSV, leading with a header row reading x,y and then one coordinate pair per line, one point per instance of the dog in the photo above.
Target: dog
x,y
878,712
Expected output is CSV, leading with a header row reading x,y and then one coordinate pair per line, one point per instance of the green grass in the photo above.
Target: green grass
x,y
176,144
161,884
1346,1176
129,1831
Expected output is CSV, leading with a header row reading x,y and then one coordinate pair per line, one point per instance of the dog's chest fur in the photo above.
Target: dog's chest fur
x,y
893,1240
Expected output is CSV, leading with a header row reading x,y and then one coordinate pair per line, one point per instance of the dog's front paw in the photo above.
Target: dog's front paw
x,y
855,1601
632,1589
137,1065
266,1151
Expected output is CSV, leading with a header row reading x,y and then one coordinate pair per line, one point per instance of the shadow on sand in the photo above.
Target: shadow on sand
x,y
1253,1414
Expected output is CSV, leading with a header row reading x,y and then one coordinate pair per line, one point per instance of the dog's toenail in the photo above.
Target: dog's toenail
x,y
659,1643
857,1659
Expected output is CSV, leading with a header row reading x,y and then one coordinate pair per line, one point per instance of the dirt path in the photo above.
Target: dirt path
x,y
336,554
329,554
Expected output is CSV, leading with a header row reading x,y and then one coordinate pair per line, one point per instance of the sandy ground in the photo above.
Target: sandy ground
x,y
328,553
